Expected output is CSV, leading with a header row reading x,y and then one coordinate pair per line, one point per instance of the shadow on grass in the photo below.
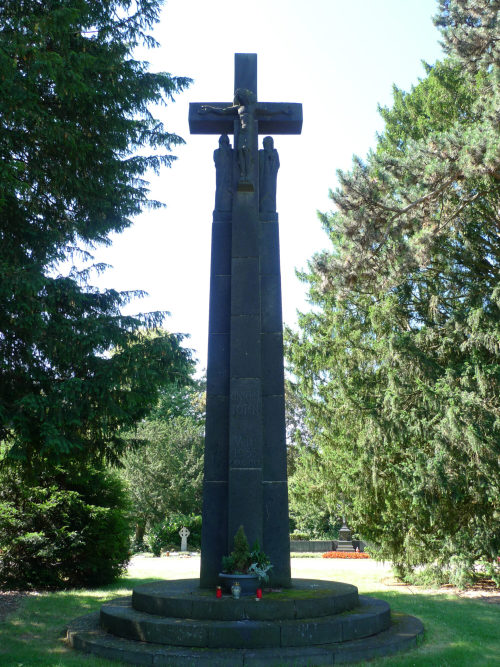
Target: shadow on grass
x,y
34,633
457,631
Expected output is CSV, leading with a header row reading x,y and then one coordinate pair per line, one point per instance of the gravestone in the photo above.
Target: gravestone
x,y
184,534
245,480
345,538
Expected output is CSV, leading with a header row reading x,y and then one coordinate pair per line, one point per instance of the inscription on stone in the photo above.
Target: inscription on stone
x,y
244,452
245,404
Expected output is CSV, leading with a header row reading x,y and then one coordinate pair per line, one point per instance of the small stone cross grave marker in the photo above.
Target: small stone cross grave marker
x,y
184,533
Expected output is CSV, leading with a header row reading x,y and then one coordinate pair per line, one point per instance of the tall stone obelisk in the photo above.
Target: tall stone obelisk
x,y
245,480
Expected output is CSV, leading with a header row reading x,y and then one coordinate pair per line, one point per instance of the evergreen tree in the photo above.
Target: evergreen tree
x,y
77,137
400,359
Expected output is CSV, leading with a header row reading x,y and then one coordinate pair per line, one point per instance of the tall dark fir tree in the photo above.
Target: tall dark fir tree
x,y
399,361
77,136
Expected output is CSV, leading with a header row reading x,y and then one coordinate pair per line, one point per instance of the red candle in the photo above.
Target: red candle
x,y
218,592
259,593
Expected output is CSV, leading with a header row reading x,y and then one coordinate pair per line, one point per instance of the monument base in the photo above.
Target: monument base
x,y
176,623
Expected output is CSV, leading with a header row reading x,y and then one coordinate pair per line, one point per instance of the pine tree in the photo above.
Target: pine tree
x,y
400,360
77,137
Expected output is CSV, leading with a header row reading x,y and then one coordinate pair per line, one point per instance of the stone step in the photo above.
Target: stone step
x,y
121,619
85,634
184,599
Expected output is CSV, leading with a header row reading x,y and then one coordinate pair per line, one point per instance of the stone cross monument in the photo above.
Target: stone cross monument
x,y
184,534
245,481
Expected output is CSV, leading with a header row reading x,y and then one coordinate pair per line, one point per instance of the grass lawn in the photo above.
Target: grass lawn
x,y
458,631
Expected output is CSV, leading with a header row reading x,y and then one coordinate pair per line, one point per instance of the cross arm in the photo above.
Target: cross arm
x,y
211,119
279,118
218,118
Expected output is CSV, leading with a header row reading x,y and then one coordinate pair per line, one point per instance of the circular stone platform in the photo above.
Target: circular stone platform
x,y
184,599
176,623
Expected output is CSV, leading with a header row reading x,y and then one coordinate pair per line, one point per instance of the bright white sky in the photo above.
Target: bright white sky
x,y
339,58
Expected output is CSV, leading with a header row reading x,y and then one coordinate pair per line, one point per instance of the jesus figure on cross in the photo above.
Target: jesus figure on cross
x,y
247,108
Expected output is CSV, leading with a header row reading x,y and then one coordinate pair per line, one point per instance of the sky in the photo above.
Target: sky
x,y
339,58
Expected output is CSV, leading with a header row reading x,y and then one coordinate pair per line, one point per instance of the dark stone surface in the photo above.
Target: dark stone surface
x,y
245,352
245,398
310,633
269,248
269,164
245,433
289,657
219,315
311,546
325,605
268,609
374,617
245,490
221,249
245,71
214,533
272,320
280,122
122,619
245,356
217,438
345,534
274,447
218,364
272,363
85,634
158,602
391,635
277,531
245,293
224,170
244,634
184,599
245,229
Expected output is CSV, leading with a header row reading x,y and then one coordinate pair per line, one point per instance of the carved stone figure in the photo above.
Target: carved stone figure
x,y
269,163
245,101
223,158
245,104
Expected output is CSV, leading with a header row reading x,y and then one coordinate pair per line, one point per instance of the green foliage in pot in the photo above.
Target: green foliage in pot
x,y
243,561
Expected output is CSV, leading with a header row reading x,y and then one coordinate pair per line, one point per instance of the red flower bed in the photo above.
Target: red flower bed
x,y
345,554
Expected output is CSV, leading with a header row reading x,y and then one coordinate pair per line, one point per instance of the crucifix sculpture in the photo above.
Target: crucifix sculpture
x,y
245,481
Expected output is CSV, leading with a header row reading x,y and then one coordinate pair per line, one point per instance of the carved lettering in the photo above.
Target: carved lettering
x,y
245,404
243,448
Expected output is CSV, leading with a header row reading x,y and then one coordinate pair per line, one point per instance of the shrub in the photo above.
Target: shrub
x,y
296,535
165,535
65,529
